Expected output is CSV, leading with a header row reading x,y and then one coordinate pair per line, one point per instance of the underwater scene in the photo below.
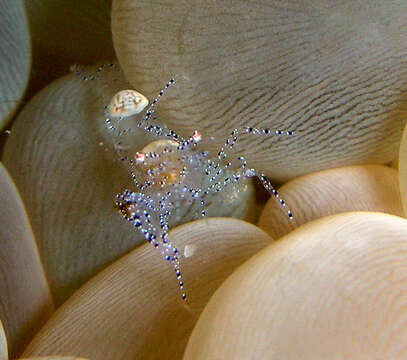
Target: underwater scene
x,y
203,180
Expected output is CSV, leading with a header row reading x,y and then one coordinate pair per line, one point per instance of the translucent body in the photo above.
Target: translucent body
x,y
173,174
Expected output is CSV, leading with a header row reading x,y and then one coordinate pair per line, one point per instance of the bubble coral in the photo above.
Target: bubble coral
x,y
331,71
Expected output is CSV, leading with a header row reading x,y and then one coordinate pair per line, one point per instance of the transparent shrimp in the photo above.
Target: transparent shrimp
x,y
168,173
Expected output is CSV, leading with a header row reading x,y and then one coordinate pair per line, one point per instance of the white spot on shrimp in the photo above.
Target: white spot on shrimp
x,y
127,103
